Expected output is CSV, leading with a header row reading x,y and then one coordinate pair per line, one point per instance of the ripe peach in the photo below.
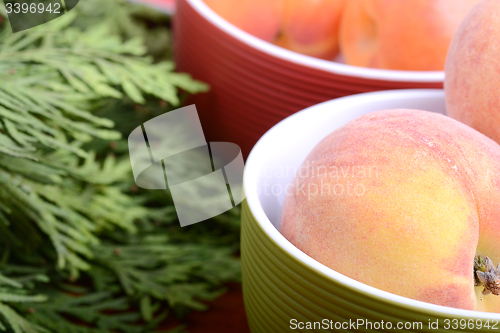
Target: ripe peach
x,y
311,27
472,80
261,18
402,200
404,35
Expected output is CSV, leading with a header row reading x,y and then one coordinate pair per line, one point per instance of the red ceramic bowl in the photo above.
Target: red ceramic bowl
x,y
255,84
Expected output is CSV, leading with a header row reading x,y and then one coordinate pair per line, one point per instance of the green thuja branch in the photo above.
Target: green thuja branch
x,y
134,278
68,206
64,308
49,83
152,268
18,290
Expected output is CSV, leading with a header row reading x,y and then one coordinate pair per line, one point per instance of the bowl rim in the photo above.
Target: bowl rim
x,y
251,174
307,61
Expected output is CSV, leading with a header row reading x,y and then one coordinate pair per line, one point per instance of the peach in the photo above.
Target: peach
x,y
472,80
311,27
401,200
261,18
403,35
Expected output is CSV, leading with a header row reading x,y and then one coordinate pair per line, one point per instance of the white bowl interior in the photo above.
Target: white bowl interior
x,y
274,160
325,65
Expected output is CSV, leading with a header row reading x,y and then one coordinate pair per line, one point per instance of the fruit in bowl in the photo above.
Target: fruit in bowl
x,y
261,18
405,201
384,34
404,35
311,27
472,80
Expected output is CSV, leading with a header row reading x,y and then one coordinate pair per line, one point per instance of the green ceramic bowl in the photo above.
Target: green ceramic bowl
x,y
284,289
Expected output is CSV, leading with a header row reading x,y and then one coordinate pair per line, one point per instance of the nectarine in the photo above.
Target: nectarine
x,y
404,201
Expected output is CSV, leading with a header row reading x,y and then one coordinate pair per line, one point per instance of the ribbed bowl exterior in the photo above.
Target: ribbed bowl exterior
x,y
278,288
252,90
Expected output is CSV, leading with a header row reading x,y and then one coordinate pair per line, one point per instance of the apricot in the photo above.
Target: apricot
x,y
402,35
472,80
260,18
311,27
404,201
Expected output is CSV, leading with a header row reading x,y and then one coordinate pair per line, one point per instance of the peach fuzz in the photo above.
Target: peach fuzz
x,y
472,79
311,27
401,35
401,200
261,18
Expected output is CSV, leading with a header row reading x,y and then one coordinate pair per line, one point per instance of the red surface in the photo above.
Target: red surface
x,y
252,91
226,314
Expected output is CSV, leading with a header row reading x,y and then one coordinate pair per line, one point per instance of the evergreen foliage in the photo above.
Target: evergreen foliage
x,y
81,248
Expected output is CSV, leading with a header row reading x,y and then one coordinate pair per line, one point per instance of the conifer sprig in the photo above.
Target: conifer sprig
x,y
69,211
49,83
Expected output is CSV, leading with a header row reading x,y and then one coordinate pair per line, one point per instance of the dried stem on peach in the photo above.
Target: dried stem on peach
x,y
487,275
